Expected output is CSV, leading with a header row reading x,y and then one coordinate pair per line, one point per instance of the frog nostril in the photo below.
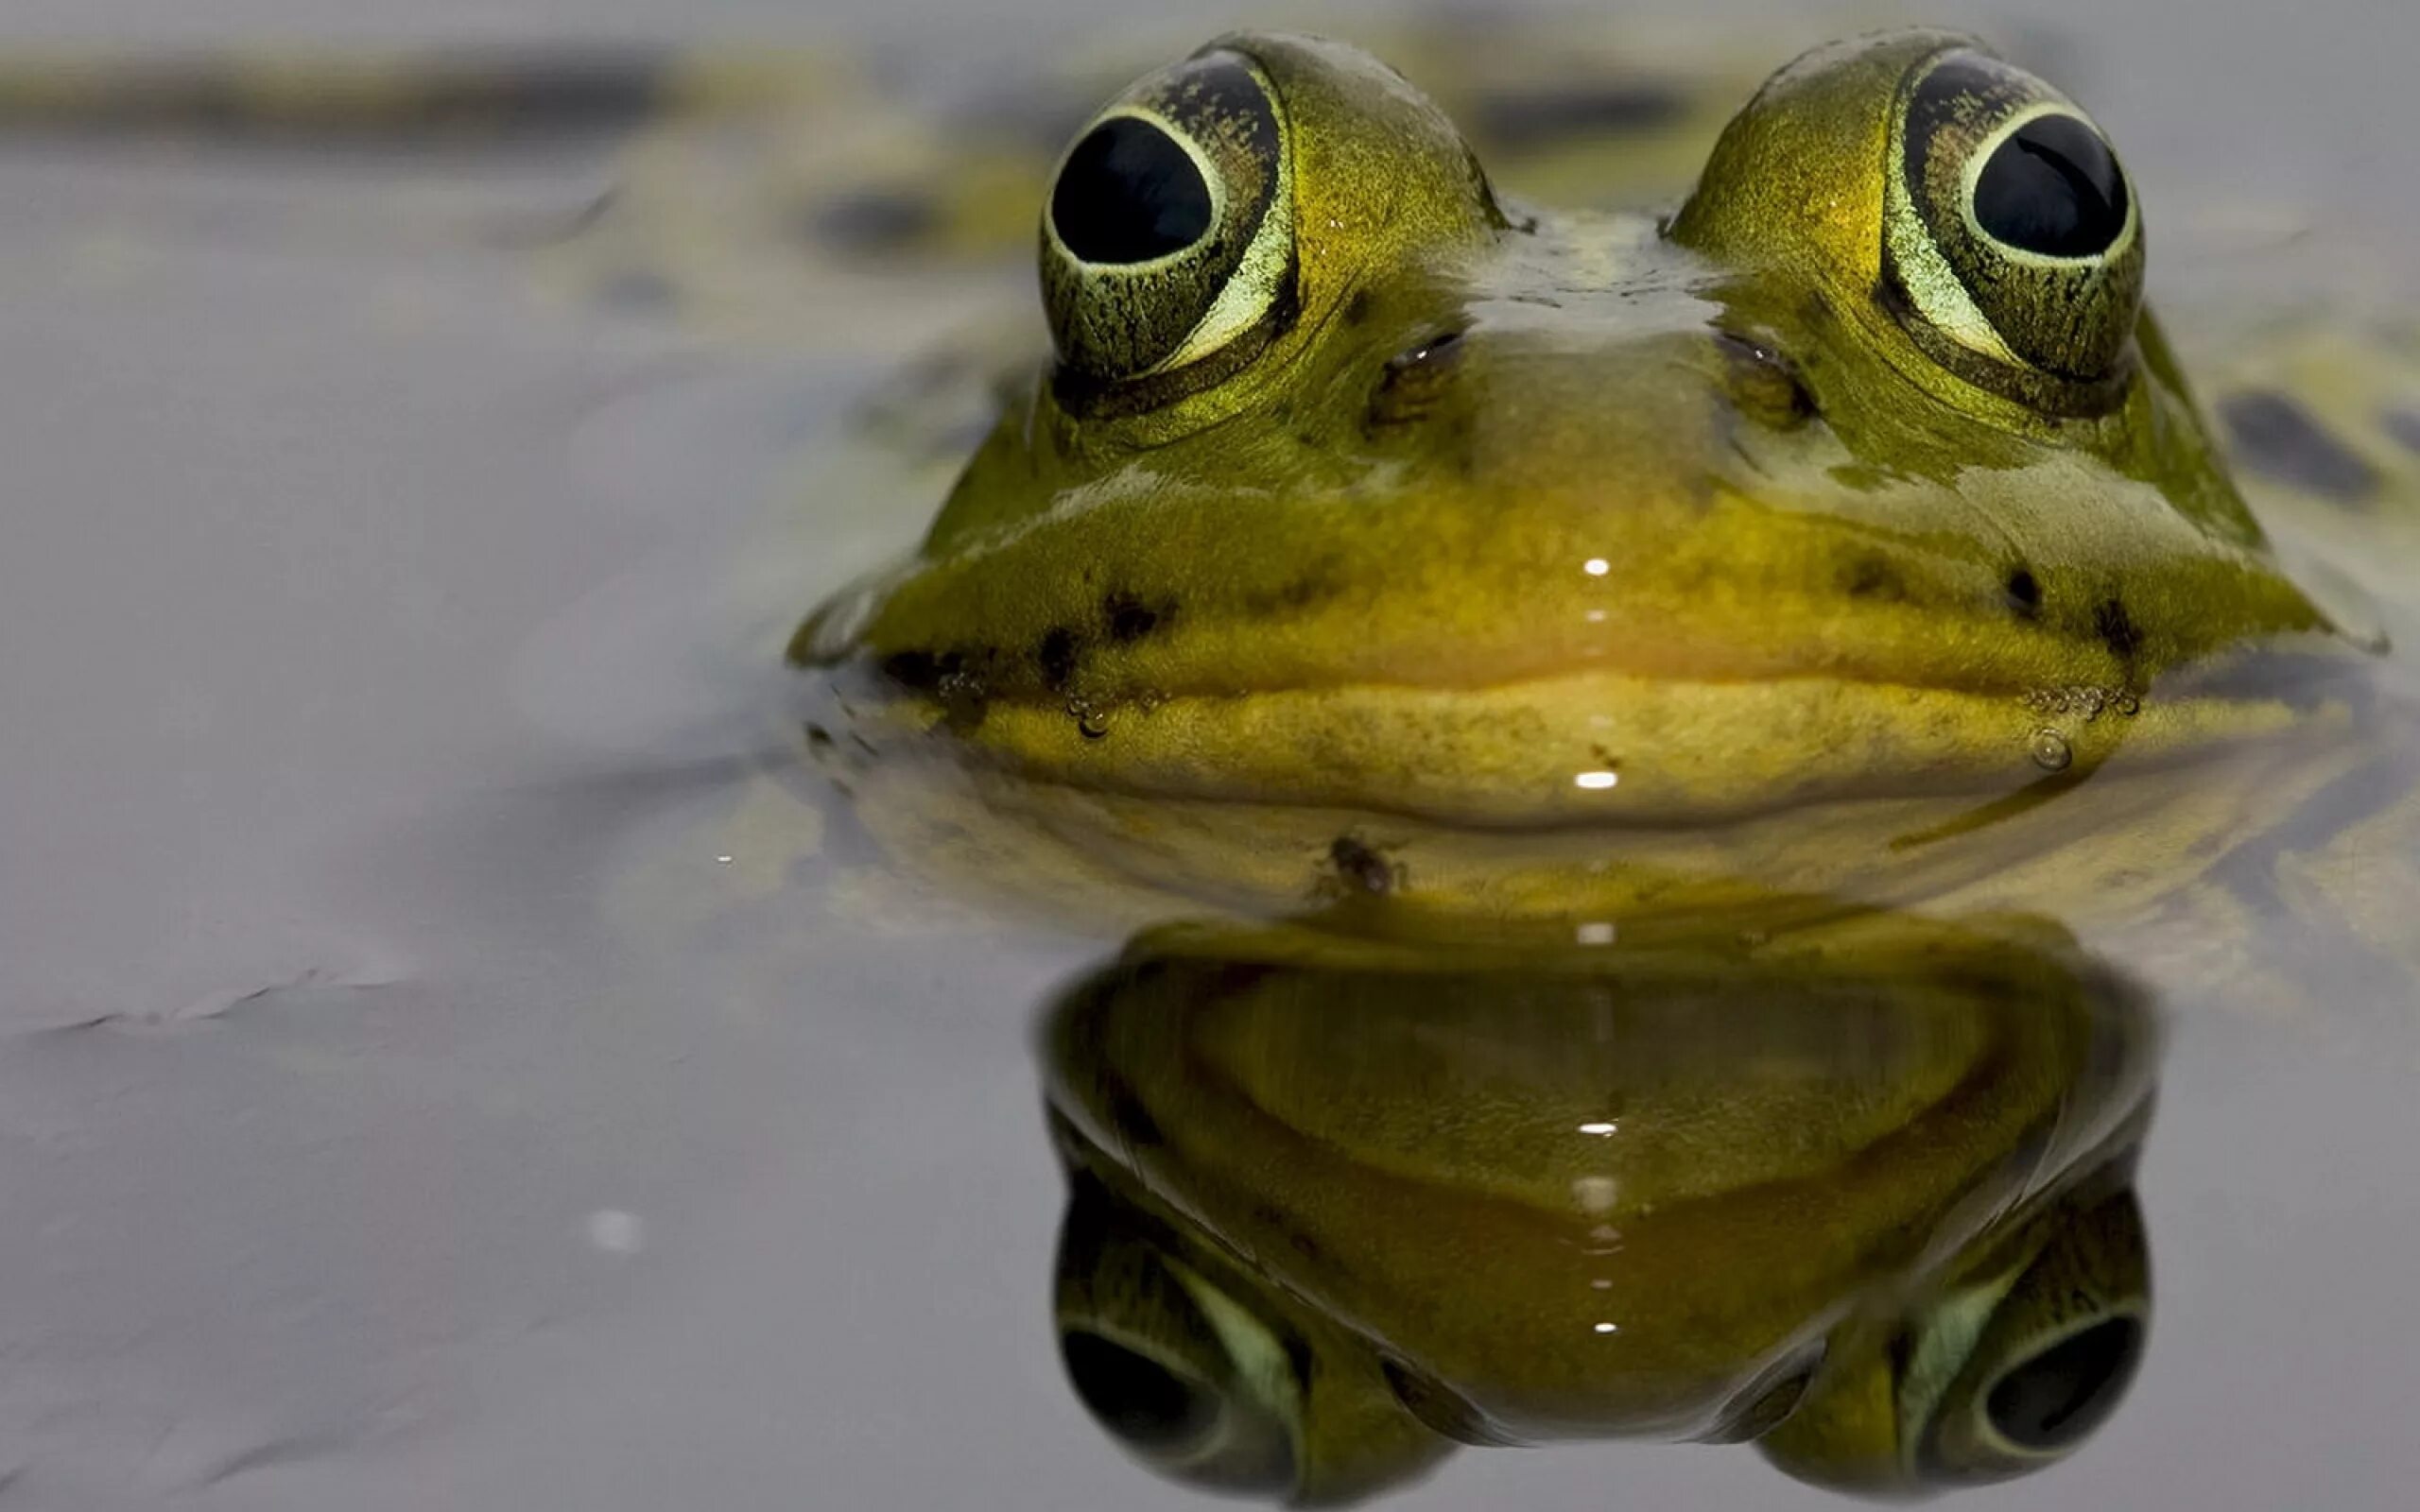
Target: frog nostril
x,y
1765,385
1412,381
2024,593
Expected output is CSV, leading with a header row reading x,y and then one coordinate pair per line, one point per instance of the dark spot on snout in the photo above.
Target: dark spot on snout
x,y
1412,381
865,222
2025,595
1128,619
1055,656
1356,309
1307,589
917,671
2277,439
2404,425
2117,629
1764,384
1875,578
957,680
1536,118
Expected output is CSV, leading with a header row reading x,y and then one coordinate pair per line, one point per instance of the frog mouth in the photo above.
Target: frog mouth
x,y
1591,747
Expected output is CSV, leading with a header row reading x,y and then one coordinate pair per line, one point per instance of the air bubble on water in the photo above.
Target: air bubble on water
x,y
2052,752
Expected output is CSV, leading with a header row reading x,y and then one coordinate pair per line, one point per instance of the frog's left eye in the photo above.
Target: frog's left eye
x,y
2011,231
1169,236
1187,1378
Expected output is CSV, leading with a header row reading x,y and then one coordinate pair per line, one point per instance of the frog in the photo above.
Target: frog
x,y
1859,1194
1912,577
1849,527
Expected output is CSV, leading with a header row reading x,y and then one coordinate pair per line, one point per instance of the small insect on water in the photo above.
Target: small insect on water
x,y
1359,868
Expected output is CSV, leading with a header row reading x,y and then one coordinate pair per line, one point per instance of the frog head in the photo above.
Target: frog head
x,y
1349,483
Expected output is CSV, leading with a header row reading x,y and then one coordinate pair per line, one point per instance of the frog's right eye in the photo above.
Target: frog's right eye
x,y
1169,237
1999,1377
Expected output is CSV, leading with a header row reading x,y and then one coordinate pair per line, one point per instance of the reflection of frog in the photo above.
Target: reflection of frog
x,y
1861,1192
1853,510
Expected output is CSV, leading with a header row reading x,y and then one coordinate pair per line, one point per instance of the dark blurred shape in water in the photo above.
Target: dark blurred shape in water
x,y
1862,1193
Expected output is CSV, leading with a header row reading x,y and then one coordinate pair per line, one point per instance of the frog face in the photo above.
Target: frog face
x,y
1349,485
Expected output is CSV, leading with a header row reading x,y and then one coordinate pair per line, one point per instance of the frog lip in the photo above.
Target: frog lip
x,y
1599,747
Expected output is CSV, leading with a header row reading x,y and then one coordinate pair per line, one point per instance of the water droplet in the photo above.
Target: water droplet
x,y
1596,933
1090,722
1597,566
2052,752
1596,781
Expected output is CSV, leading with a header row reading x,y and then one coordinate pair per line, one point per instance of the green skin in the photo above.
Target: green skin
x,y
1499,520
1334,1207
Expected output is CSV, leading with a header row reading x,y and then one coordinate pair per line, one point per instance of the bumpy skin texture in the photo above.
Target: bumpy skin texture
x,y
1500,498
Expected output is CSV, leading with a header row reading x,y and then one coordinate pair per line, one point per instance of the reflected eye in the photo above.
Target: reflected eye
x,y
1139,1400
2055,1352
1182,1374
1168,239
2006,1372
2010,233
2050,1402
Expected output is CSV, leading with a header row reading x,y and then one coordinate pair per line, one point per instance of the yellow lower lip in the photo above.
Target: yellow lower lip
x,y
1594,747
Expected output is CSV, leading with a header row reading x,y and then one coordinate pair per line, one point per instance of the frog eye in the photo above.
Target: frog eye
x,y
2054,1356
1168,235
2010,233
1171,1366
1998,1376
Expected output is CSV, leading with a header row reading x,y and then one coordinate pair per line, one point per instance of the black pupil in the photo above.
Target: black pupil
x,y
2053,188
2054,1399
1128,194
1142,1403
